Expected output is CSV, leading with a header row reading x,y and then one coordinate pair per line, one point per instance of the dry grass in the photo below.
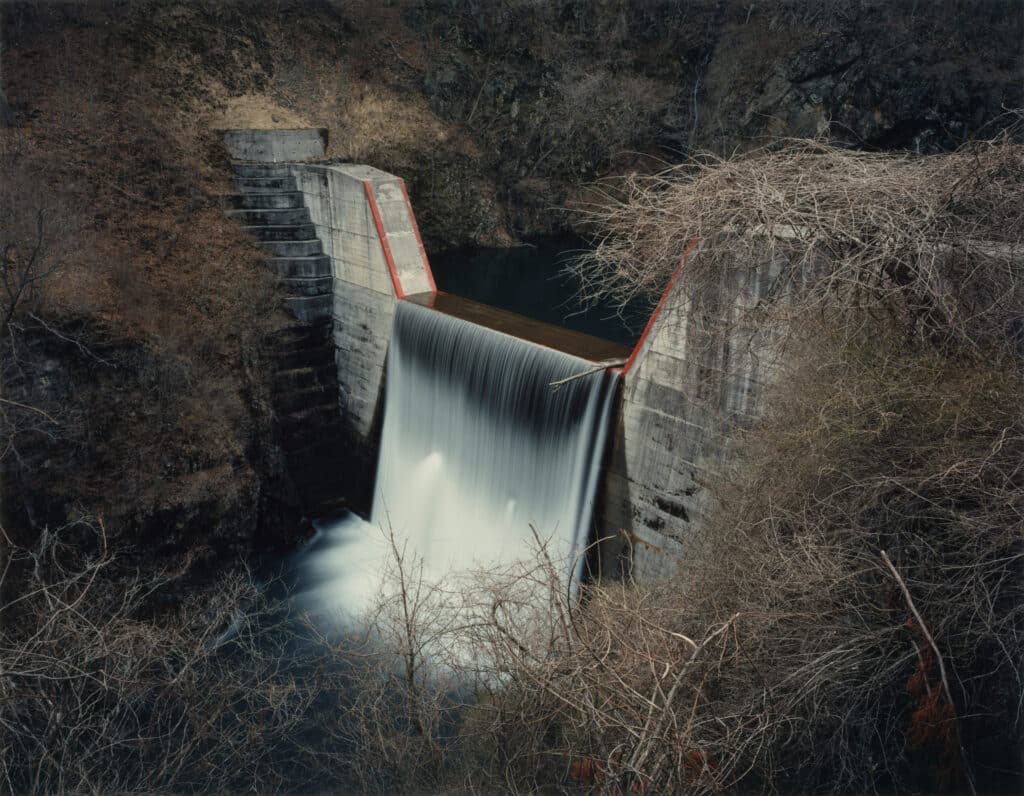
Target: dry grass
x,y
933,242
853,622
102,692
150,272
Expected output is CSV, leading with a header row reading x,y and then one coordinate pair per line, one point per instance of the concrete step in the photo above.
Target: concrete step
x,y
320,486
318,356
279,200
322,496
282,231
310,433
320,419
305,378
295,267
261,169
310,308
304,400
308,286
270,217
293,248
265,185
322,464
301,335
307,446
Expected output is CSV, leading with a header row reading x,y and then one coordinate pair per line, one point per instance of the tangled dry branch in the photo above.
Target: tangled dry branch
x,y
785,655
101,692
935,241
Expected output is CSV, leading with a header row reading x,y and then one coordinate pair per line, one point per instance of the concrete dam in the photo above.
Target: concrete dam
x,y
475,428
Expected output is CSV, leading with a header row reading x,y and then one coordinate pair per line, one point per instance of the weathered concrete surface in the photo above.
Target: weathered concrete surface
x,y
270,209
276,146
366,226
696,380
304,390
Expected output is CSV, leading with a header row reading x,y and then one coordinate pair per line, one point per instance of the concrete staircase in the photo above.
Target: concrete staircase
x,y
270,209
305,383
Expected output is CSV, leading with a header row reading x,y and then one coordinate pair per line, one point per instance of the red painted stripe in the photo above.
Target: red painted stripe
x,y
419,240
657,310
379,223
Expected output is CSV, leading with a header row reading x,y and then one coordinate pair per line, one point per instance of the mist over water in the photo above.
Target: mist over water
x,y
478,445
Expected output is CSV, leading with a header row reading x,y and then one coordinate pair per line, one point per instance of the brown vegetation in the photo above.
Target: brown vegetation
x,y
143,304
101,692
934,239
853,620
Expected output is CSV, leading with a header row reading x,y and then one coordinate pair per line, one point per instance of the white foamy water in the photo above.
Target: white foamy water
x,y
477,447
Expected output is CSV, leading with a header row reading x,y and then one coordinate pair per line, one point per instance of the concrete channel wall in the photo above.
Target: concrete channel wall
x,y
366,225
694,380
688,387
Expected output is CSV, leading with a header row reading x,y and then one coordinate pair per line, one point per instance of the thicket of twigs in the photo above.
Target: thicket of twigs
x,y
854,622
102,692
852,619
929,240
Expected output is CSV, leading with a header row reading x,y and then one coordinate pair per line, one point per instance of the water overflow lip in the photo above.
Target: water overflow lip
x,y
568,341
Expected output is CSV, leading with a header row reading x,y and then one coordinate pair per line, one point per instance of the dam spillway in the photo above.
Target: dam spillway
x,y
490,442
667,444
487,435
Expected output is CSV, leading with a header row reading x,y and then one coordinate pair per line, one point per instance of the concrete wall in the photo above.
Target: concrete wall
x,y
366,225
275,146
695,380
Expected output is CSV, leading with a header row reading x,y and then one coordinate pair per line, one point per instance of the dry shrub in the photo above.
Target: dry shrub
x,y
932,241
866,447
850,617
399,727
101,691
786,654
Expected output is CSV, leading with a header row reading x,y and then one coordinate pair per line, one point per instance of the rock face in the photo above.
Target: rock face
x,y
897,75
558,93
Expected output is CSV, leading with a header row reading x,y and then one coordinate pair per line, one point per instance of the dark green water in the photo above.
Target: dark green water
x,y
531,281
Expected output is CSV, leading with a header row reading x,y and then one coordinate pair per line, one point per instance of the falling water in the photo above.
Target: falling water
x,y
480,443
481,448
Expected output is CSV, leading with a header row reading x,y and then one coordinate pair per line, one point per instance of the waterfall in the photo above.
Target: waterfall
x,y
478,445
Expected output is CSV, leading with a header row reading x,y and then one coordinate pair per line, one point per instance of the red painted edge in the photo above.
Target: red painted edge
x,y
419,240
657,310
379,223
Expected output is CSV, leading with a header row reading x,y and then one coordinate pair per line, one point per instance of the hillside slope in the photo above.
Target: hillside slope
x,y
144,349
